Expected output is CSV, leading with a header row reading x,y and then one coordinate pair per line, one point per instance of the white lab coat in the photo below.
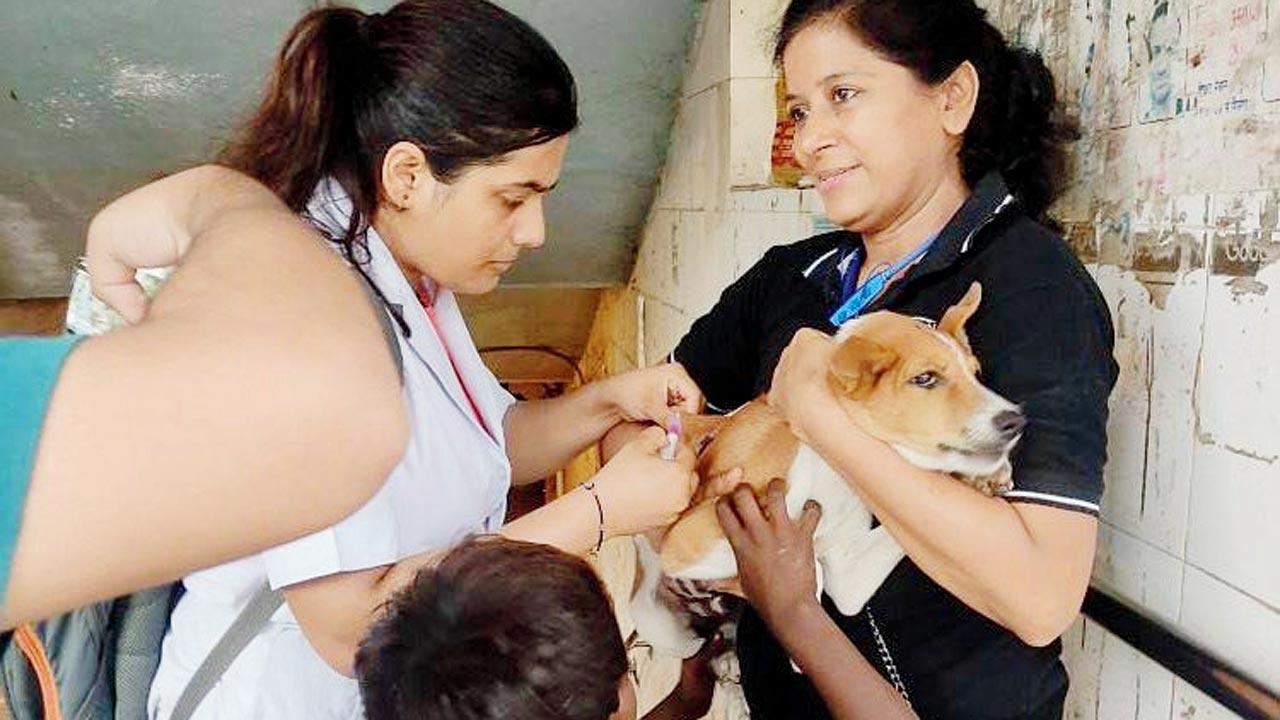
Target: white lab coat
x,y
452,481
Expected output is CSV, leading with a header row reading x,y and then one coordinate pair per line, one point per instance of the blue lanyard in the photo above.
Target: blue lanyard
x,y
857,299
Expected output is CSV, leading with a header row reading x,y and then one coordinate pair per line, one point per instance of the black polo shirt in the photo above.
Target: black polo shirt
x,y
1044,339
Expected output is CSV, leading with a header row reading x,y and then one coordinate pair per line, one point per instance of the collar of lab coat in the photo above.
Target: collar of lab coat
x,y
330,211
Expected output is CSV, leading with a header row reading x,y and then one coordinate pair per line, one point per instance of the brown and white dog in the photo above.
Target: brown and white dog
x,y
901,380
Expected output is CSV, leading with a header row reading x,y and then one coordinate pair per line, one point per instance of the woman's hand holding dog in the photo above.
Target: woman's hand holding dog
x,y
775,555
800,388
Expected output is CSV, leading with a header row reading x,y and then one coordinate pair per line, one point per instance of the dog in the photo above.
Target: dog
x,y
903,381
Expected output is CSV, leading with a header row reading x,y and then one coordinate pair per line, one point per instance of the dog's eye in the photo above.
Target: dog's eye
x,y
927,380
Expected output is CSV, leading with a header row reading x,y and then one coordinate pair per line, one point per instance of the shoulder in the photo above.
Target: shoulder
x,y
1042,313
1029,253
1023,258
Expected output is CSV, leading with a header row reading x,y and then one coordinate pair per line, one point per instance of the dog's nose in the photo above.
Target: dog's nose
x,y
1010,423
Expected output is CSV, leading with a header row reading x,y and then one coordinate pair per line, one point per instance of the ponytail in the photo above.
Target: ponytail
x,y
305,126
1018,127
464,80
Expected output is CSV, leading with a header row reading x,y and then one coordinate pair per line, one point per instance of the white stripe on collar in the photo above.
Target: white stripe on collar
x,y
814,266
1006,202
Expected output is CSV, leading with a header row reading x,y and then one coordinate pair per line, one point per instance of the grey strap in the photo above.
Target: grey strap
x,y
383,311
243,630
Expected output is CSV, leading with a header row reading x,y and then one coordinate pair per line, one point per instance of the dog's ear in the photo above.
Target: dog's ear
x,y
954,319
857,364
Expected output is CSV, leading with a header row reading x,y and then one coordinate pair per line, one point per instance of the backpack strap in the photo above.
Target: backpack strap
x,y
243,630
29,643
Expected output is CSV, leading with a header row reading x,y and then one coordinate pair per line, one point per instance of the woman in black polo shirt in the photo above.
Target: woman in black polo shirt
x,y
938,148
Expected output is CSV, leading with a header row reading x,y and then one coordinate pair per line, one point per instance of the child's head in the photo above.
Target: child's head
x,y
497,630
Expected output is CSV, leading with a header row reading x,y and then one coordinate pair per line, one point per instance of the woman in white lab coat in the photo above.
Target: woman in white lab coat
x,y
422,142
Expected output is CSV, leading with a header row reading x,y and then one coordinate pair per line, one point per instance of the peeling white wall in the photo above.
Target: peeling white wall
x,y
1173,206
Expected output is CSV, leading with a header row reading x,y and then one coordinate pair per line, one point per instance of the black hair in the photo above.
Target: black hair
x,y
465,80
1018,127
498,630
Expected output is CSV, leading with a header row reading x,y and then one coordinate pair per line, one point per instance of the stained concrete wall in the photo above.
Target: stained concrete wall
x,y
1173,207
97,98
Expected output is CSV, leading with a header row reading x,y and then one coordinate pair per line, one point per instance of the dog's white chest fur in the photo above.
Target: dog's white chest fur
x,y
853,558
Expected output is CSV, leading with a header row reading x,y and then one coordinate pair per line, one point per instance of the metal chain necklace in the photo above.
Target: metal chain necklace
x,y
886,659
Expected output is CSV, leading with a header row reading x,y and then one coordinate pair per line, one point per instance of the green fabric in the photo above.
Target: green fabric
x,y
28,372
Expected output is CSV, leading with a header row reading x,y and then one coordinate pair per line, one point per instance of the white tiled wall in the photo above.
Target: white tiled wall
x,y
710,220
1165,200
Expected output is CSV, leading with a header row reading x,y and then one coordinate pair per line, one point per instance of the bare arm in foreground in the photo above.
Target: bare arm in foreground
x,y
201,434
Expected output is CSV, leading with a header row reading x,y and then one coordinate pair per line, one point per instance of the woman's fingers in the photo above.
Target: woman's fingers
x,y
682,392
125,297
650,440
